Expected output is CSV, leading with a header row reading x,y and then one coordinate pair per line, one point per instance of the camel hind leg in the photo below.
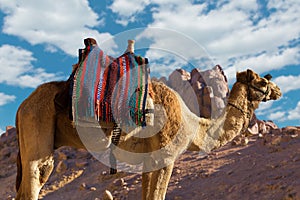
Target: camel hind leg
x,y
36,155
34,176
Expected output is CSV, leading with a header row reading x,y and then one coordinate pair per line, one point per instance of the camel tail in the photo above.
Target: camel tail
x,y
19,164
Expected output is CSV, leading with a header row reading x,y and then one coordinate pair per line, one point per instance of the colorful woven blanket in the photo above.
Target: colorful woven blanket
x,y
111,89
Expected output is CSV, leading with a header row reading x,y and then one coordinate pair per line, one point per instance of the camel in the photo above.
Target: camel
x,y
41,128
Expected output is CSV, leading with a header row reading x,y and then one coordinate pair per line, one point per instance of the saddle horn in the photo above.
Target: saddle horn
x,y
130,47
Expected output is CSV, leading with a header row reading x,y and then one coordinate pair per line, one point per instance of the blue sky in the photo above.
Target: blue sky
x,y
39,42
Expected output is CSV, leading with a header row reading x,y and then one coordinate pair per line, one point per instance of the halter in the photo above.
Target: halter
x,y
264,93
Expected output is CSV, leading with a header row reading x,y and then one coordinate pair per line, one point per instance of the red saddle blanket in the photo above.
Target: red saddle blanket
x,y
111,89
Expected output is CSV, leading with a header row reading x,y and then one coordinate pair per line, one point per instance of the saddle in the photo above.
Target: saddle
x,y
111,89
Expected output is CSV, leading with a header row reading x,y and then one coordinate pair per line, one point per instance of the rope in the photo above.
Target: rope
x,y
247,114
114,142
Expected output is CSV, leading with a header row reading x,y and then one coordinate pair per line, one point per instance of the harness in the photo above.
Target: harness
x,y
264,93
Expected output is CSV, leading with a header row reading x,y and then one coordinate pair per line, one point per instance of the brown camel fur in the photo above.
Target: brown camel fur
x,y
41,128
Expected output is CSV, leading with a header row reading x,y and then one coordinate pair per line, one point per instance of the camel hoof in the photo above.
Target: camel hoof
x,y
244,141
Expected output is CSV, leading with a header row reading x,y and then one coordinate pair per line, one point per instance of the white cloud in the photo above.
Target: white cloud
x,y
205,28
275,60
63,24
5,99
288,83
163,67
282,116
279,115
166,55
263,106
265,62
295,113
17,69
127,10
249,38
191,20
50,48
267,110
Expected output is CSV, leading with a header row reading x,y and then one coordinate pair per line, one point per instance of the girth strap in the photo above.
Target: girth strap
x,y
115,141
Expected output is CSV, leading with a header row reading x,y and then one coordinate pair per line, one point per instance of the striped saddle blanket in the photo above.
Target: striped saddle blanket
x,y
111,89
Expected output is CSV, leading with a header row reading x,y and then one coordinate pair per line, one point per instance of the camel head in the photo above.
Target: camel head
x,y
260,88
275,92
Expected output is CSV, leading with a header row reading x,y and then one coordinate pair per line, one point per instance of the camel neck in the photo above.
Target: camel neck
x,y
238,110
239,96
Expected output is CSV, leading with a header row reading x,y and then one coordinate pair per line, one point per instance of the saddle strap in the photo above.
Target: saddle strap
x,y
115,141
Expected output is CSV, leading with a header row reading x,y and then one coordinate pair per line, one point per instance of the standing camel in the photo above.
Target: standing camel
x,y
41,128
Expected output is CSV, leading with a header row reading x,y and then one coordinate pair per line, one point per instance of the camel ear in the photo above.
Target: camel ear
x,y
241,77
250,75
268,77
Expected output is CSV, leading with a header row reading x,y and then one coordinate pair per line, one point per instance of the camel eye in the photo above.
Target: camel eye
x,y
263,83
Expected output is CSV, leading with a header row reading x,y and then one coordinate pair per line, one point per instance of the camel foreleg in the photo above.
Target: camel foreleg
x,y
146,184
155,183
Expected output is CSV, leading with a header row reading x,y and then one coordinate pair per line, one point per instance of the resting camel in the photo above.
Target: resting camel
x,y
41,128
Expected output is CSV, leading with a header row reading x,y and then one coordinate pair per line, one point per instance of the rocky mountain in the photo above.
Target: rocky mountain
x,y
204,92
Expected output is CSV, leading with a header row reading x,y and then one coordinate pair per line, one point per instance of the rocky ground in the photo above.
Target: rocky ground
x,y
266,168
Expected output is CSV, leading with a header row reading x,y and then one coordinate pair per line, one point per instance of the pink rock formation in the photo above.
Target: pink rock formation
x,y
209,87
257,126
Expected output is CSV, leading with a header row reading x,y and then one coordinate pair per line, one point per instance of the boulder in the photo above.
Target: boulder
x,y
179,80
257,126
204,92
